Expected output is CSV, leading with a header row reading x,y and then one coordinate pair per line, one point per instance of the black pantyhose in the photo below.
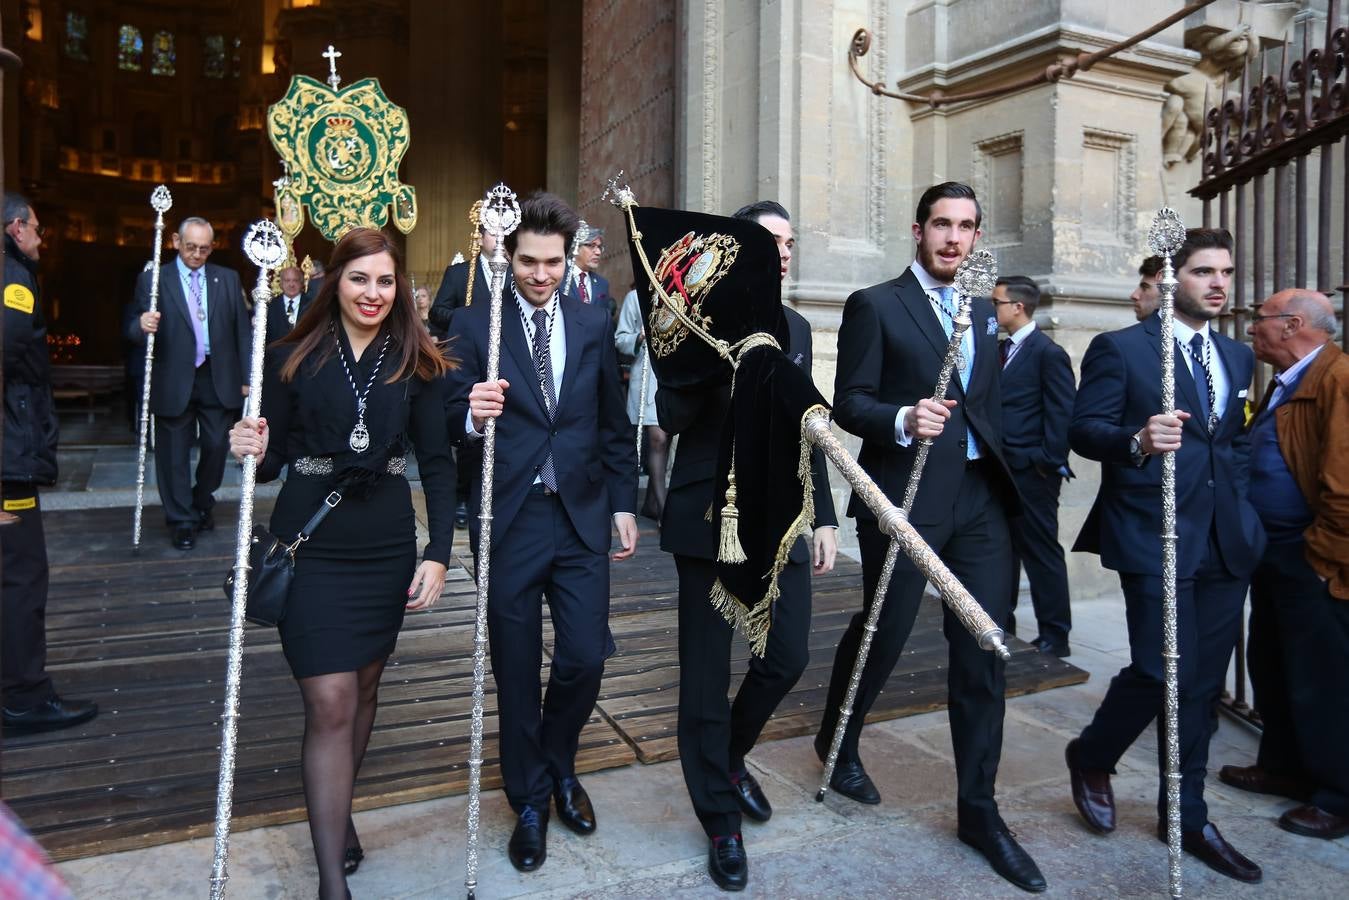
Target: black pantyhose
x,y
339,712
656,459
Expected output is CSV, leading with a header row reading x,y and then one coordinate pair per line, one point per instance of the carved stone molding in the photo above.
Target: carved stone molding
x,y
999,182
1109,187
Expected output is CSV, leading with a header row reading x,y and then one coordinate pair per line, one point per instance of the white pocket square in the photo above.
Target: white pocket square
x,y
1241,394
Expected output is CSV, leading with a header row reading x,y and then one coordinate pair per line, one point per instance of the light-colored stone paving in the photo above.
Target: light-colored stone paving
x,y
649,845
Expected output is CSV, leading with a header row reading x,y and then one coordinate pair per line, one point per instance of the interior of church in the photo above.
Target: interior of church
x,y
116,98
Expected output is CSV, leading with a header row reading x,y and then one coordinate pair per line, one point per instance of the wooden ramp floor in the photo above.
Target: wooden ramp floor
x,y
145,636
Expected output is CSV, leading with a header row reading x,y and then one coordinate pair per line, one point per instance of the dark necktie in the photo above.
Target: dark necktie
x,y
1203,385
585,293
1006,348
290,310
543,360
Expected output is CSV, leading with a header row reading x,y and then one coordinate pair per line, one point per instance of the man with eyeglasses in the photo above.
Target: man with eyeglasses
x,y
30,700
1037,402
1220,539
202,350
591,286
1299,637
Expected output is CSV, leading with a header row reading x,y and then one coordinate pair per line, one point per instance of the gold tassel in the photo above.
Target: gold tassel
x,y
730,550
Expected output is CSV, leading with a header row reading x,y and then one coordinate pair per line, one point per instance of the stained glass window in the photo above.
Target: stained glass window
x,y
130,48
214,65
162,57
77,36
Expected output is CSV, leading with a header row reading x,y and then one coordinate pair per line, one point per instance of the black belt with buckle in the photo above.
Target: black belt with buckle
x,y
542,489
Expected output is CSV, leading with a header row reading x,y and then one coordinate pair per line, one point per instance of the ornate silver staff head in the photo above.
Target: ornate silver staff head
x,y
161,199
618,193
500,211
978,274
263,245
1166,234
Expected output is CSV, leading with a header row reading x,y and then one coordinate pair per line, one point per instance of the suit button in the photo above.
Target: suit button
x,y
553,432
1210,482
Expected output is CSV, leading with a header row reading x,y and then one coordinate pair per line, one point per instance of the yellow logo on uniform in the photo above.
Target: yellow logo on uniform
x,y
19,297
23,502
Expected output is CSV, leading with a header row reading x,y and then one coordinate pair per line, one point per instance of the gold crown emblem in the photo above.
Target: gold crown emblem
x,y
340,122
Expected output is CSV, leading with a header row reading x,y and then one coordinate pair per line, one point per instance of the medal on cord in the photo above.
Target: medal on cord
x,y
359,440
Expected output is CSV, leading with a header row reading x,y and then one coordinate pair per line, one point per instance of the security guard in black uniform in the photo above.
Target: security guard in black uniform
x,y
30,701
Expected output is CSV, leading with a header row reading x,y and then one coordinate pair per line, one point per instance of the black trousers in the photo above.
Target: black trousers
x,y
542,555
1299,656
206,422
974,544
1208,615
1035,544
23,629
714,734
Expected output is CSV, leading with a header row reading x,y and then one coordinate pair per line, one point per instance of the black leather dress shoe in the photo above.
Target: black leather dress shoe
x,y
1002,851
849,778
1092,794
573,806
1313,821
50,716
727,862
529,842
184,537
1053,648
1209,847
751,797
1258,781
205,520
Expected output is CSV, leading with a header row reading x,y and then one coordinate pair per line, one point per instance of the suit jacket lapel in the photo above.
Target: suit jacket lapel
x,y
214,287
171,292
1026,349
913,300
571,328
516,339
1235,411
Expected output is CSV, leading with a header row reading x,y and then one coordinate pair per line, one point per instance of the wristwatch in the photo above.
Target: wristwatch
x,y
1136,451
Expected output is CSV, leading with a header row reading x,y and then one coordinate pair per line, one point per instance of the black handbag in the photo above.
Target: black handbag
x,y
271,564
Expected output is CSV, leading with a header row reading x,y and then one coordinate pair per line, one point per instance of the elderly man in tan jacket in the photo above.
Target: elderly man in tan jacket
x,y
1299,641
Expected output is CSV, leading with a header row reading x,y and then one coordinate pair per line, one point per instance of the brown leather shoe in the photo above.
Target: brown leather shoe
x,y
1258,781
1209,847
1313,821
1092,794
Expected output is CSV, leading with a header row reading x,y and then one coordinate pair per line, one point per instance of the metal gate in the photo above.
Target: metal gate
x,y
1261,152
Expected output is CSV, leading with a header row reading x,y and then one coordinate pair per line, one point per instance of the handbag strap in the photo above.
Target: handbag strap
x,y
319,515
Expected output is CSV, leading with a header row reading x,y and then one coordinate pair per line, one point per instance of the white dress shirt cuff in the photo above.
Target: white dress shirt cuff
x,y
902,436
470,432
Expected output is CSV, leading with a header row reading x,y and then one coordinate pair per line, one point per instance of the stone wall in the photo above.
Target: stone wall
x,y
628,77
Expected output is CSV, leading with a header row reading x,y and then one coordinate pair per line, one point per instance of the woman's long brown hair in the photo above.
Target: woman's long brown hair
x,y
415,350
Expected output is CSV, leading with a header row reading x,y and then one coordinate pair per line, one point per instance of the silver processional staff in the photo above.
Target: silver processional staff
x,y
265,248
160,201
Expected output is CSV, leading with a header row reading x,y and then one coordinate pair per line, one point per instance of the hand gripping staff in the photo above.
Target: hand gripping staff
x,y
265,248
500,214
160,201
1164,238
976,276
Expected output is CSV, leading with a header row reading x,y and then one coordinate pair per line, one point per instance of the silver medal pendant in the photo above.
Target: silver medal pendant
x,y
360,438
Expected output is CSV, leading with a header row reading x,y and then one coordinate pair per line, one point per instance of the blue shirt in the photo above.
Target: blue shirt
x,y
1274,492
185,276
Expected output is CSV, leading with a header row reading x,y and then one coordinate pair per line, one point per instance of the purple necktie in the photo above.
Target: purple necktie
x,y
194,307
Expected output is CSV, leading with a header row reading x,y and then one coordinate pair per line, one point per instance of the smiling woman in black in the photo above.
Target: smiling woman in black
x,y
346,396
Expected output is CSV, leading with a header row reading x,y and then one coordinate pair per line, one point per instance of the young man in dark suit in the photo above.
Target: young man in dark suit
x,y
287,307
565,469
714,733
891,345
453,290
1116,421
1037,403
203,345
